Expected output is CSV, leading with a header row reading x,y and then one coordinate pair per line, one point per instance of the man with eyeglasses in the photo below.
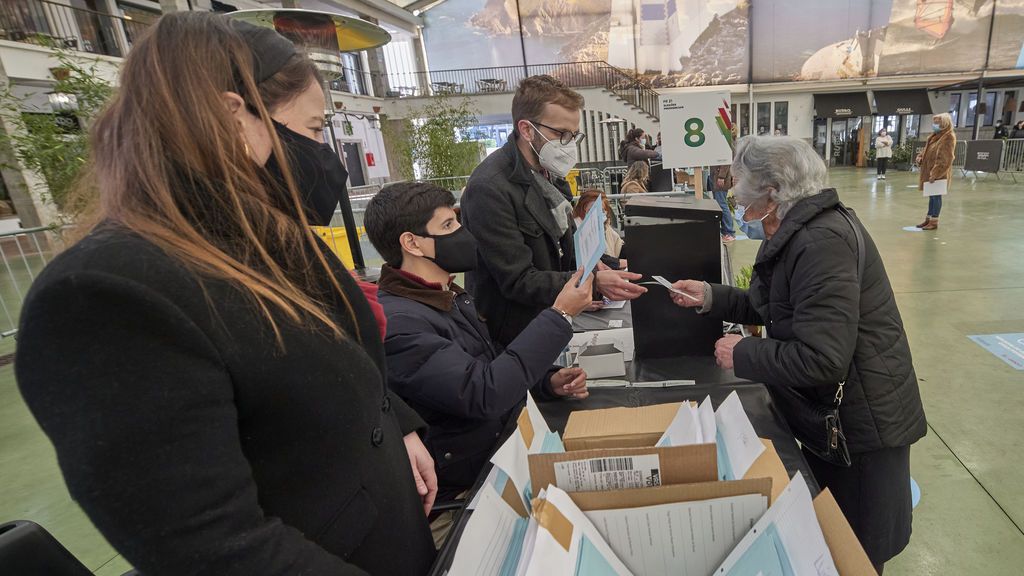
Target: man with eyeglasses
x,y
517,205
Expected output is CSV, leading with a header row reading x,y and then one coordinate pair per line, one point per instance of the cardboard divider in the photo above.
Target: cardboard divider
x,y
769,465
677,465
847,552
641,497
618,427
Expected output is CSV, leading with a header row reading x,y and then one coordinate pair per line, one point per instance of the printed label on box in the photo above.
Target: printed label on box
x,y
616,473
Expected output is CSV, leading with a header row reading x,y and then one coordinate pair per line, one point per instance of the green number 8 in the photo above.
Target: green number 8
x,y
694,132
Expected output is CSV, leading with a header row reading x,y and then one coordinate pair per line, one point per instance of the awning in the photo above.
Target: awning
x,y
841,105
902,102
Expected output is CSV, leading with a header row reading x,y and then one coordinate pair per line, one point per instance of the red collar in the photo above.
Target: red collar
x,y
425,283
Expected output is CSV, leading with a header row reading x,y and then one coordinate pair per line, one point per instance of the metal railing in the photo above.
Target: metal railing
x,y
359,82
23,254
1013,156
505,79
50,24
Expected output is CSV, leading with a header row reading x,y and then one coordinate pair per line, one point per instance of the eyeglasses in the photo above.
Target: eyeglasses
x,y
566,137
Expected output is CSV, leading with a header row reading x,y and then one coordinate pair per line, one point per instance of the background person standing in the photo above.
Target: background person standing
x,y
883,151
936,163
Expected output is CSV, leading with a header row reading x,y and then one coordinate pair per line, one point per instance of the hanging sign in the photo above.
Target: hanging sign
x,y
696,129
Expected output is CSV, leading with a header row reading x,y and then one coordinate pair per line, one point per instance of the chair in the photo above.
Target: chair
x,y
27,549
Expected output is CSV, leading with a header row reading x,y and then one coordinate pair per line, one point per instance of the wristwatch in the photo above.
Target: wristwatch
x,y
563,314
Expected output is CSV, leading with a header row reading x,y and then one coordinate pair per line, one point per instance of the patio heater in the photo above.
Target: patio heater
x,y
323,36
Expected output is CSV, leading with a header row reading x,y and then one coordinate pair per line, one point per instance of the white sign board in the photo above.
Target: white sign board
x,y
695,129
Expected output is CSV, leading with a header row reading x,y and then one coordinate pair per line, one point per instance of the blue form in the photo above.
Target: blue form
x,y
590,562
511,563
500,480
915,494
1007,347
589,261
552,444
766,556
724,466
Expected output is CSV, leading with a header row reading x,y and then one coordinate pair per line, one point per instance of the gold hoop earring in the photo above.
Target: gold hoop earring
x,y
248,150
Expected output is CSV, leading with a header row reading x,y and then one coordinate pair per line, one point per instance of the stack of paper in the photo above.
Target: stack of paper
x,y
786,541
728,427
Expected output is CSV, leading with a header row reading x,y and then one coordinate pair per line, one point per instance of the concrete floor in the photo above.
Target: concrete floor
x,y
965,278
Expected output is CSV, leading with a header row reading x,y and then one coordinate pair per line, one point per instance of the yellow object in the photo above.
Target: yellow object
x,y
337,240
574,183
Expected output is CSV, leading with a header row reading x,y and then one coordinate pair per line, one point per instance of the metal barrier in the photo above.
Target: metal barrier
x,y
24,254
1013,157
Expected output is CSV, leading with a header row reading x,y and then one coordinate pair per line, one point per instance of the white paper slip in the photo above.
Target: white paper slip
x,y
706,416
684,428
568,544
512,459
664,383
786,540
668,285
488,537
937,188
679,538
537,423
615,323
614,473
613,304
740,443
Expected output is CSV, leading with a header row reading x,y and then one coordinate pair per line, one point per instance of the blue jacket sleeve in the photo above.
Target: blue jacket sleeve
x,y
429,369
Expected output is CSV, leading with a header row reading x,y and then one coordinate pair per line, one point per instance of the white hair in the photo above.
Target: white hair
x,y
784,167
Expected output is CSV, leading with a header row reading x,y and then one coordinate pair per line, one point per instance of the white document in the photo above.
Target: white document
x,y
740,442
612,473
488,536
685,428
682,538
668,285
491,480
937,188
706,416
540,425
587,554
787,538
589,240
613,304
512,458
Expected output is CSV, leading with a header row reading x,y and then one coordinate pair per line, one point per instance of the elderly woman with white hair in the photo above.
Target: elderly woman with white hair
x,y
836,358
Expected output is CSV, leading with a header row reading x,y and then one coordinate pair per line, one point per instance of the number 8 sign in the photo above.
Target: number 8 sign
x,y
696,129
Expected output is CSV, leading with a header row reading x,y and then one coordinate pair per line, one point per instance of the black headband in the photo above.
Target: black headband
x,y
270,50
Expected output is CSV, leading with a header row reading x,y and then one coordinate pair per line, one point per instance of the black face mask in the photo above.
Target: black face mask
x,y
318,172
455,252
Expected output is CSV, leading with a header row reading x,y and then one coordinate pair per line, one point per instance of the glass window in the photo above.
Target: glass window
x,y
972,109
1009,106
912,126
782,117
764,118
878,122
990,108
954,107
744,119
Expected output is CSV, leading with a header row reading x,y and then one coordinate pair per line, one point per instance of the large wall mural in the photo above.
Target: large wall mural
x,y
708,42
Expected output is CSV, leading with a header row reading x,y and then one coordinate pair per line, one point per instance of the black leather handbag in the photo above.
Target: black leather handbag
x,y
818,427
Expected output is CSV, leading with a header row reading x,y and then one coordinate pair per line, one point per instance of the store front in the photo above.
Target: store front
x,y
899,113
837,126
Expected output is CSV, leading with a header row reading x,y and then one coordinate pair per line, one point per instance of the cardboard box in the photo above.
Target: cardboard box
x,y
616,499
602,361
618,427
675,465
847,552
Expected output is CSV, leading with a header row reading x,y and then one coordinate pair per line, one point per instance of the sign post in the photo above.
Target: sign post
x,y
983,156
696,131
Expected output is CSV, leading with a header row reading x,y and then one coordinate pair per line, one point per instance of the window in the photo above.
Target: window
x,y
744,119
990,108
764,118
954,108
782,117
912,125
1009,106
972,109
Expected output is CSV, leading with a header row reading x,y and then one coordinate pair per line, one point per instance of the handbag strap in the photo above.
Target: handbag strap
x,y
845,212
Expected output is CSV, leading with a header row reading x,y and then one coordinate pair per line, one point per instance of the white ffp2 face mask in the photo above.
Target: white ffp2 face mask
x,y
555,157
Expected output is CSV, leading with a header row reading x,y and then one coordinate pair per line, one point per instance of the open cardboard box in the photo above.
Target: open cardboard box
x,y
642,427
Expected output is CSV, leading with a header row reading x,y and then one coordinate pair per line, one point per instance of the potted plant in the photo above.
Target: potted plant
x,y
743,283
871,156
903,155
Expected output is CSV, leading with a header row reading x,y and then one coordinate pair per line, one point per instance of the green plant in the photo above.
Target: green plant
x,y
903,153
399,148
871,154
744,276
434,142
55,145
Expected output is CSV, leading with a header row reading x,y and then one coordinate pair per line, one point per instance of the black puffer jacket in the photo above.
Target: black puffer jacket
x,y
824,326
630,152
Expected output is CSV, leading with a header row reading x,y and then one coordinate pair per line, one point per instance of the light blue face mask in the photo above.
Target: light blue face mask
x,y
935,127
754,229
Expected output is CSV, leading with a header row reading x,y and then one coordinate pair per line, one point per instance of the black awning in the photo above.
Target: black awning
x,y
841,105
903,102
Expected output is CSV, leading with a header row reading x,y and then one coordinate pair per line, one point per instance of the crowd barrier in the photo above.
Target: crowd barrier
x,y
24,254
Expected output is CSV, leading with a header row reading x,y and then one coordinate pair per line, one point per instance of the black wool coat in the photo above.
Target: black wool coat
x,y
523,259
195,444
825,327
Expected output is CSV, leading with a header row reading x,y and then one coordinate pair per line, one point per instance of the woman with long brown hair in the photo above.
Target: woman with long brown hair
x,y
635,181
211,377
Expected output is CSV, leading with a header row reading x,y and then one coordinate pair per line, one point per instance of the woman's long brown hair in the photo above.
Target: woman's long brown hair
x,y
169,163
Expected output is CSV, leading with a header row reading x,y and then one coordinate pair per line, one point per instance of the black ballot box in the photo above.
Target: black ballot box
x,y
678,238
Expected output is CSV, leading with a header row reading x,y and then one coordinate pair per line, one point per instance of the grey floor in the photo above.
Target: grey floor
x,y
965,278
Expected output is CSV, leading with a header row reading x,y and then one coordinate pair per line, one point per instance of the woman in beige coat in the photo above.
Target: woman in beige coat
x,y
937,164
